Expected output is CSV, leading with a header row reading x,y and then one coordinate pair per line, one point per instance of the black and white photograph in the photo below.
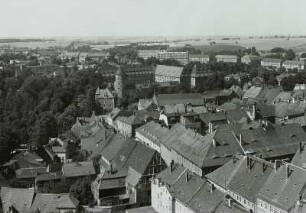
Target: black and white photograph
x,y
152,106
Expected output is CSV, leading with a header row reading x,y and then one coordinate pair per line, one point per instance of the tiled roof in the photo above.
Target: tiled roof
x,y
20,199
50,176
30,172
76,169
46,203
226,56
191,190
291,62
187,143
176,108
163,70
253,92
103,93
213,117
272,60
131,120
195,99
153,131
242,177
281,190
133,177
273,140
283,109
145,209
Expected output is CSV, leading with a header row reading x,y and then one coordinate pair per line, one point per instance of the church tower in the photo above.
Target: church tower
x,y
119,82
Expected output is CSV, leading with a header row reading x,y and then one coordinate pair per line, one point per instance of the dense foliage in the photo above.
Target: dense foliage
x,y
35,108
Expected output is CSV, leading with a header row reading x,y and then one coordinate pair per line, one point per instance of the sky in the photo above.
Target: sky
x,y
73,18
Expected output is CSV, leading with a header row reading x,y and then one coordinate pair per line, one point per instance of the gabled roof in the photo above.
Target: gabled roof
x,y
227,56
191,190
46,203
243,175
131,120
213,117
281,190
253,92
296,63
187,143
173,71
195,99
84,168
271,60
20,199
273,140
103,93
30,172
153,131
283,109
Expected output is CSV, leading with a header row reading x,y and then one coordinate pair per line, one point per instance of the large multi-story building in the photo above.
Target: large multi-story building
x,y
227,58
289,64
271,62
168,73
182,57
135,76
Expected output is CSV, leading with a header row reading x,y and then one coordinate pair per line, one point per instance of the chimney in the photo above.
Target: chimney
x,y
293,100
288,171
187,176
234,159
301,147
248,162
214,143
171,166
277,164
210,128
229,202
111,167
240,140
212,187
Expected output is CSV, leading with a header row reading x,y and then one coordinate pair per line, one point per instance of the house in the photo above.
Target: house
x,y
241,179
151,134
76,170
127,125
218,97
271,141
248,59
188,99
105,98
25,177
290,64
128,172
199,58
212,119
16,199
165,73
227,58
48,181
271,62
46,203
146,104
290,112
177,189
284,190
110,118
145,54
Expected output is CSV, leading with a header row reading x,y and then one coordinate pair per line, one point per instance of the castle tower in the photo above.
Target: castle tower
x,y
119,82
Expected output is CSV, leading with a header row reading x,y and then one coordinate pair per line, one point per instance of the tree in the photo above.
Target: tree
x,y
290,55
81,190
278,50
303,55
